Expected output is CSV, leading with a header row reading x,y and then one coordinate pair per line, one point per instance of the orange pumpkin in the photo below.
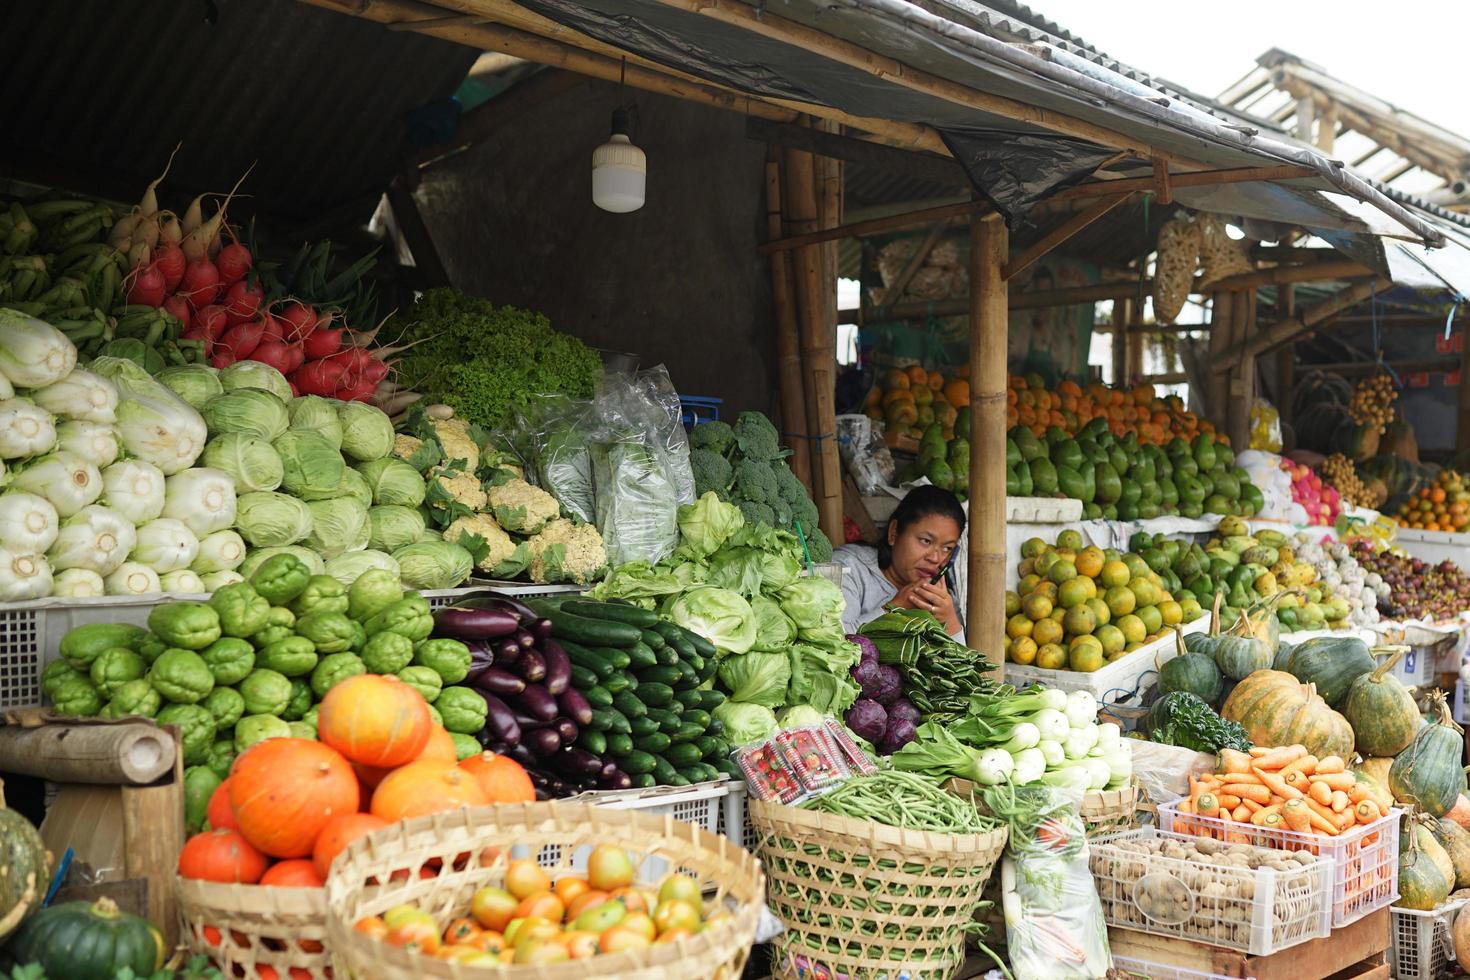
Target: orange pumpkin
x,y
295,873
222,855
376,720
285,790
439,747
219,813
501,777
425,787
338,832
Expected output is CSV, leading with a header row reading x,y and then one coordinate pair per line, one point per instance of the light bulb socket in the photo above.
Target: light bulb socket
x,y
622,122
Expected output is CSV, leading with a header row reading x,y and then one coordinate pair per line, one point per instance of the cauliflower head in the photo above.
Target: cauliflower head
x,y
454,438
462,486
567,552
405,445
522,508
499,548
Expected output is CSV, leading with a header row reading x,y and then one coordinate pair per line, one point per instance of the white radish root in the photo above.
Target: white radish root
x,y
149,205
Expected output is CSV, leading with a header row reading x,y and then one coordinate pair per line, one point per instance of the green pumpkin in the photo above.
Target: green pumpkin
x,y
1382,712
1332,663
27,867
88,941
1456,843
1428,773
1240,656
1422,886
1192,672
1283,657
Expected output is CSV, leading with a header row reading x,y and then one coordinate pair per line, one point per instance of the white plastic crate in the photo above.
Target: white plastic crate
x,y
1256,911
733,821
698,803
1365,859
1122,682
1127,968
1421,945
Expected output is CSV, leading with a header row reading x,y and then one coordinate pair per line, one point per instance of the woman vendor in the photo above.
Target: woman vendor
x,y
922,536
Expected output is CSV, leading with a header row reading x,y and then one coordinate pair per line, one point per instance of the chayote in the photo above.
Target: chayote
x,y
335,667
450,659
281,616
311,716
242,611
221,756
300,701
281,578
323,594
409,616
84,644
435,716
269,635
258,728
359,636
59,671
227,705
328,632
372,592
113,668
150,648
425,680
265,692
196,730
181,676
134,698
462,709
229,659
76,696
387,653
293,656
465,746
300,729
187,625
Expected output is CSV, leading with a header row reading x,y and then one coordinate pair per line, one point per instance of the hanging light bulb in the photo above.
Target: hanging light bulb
x,y
619,169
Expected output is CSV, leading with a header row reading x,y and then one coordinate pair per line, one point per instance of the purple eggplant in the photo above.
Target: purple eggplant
x,y
525,638
493,680
522,755
536,701
609,768
482,658
578,763
575,706
528,721
558,667
508,652
532,666
500,720
541,628
490,599
467,623
543,742
616,780
567,729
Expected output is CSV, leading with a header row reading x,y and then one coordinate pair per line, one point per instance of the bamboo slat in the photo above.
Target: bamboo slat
x,y
989,316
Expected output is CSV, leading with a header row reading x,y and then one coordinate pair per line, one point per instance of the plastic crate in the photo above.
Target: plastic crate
x,y
694,409
1365,859
698,803
1127,968
1285,908
1421,945
1122,682
733,822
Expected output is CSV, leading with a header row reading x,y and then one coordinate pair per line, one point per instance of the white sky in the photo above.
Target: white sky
x,y
1411,53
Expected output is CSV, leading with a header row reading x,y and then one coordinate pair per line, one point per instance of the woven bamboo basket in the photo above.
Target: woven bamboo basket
x,y
245,927
864,900
1103,811
473,848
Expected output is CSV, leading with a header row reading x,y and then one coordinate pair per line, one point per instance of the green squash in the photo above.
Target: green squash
x,y
1422,886
1332,663
88,941
1282,661
27,870
1382,712
1456,843
1192,672
1428,773
200,782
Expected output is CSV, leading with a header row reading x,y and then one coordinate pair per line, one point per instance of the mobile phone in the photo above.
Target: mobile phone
x,y
942,570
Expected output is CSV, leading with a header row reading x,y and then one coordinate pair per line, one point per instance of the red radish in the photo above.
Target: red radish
x,y
296,357
240,340
202,240
298,319
200,283
295,391
234,262
220,359
242,300
171,263
273,352
374,371
360,392
320,377
323,343
272,329
212,320
178,308
147,288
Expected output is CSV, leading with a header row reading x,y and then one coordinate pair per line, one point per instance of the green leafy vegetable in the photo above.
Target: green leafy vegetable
x,y
1185,719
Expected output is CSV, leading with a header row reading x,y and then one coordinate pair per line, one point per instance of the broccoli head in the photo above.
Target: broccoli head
x,y
755,482
817,544
757,437
806,513
711,471
716,436
755,513
792,490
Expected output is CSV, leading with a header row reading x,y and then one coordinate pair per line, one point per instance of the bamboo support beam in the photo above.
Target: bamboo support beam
x,y
1059,235
1038,299
1444,362
1217,385
1161,177
989,327
1288,330
875,226
1327,271
1462,421
1243,377
788,332
1197,178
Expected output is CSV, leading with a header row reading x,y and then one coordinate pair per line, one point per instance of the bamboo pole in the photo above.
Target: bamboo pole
x,y
1122,316
989,326
788,339
1287,331
1462,422
831,506
1285,355
1243,378
1217,384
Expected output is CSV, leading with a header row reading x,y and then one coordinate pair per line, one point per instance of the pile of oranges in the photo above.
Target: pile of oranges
x,y
533,921
1155,420
909,400
1444,505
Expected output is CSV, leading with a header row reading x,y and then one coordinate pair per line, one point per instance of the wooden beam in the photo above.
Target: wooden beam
x,y
1038,299
1327,129
989,329
480,122
1243,377
788,331
1331,270
1445,362
1217,384
876,226
1167,378
416,233
1161,177
1288,330
926,166
916,262
1462,421
1122,313
1060,234
1198,178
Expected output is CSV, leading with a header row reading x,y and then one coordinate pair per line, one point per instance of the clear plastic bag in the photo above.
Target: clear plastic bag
x,y
1265,426
648,401
865,454
636,505
552,438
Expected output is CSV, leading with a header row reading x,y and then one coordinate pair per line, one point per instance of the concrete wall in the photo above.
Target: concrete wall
x,y
678,282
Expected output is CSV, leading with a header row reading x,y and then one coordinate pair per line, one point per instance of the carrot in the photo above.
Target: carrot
x,y
1251,805
1186,806
1277,785
1259,750
1331,764
1194,789
1208,805
1367,811
1273,821
1242,813
1347,818
1294,812
1320,792
1259,817
1336,780
1228,801
1306,765
1322,813
1339,801
1247,791
1233,760
1277,758
1320,823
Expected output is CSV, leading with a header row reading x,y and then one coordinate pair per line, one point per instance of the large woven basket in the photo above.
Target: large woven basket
x,y
475,845
1103,810
245,927
865,900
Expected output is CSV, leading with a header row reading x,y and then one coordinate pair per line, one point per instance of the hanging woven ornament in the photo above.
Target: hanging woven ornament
x,y
1220,255
1178,255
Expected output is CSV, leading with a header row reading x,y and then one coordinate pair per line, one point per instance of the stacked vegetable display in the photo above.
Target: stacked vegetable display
x,y
1410,588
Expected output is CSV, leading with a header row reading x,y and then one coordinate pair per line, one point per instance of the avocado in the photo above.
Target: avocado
x,y
1070,482
1091,511
1043,477
1203,450
1109,486
940,474
1067,453
1013,452
962,423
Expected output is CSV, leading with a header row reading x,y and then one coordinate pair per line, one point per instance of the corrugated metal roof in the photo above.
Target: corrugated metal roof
x,y
101,92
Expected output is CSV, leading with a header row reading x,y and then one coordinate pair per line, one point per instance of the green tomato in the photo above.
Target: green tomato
x,y
425,680
187,625
229,659
134,698
265,692
465,746
374,591
258,728
59,671
323,594
409,617
300,701
329,632
387,653
76,696
181,676
84,644
462,709
242,611
281,578
113,668
450,659
334,668
221,756
226,704
196,730
293,656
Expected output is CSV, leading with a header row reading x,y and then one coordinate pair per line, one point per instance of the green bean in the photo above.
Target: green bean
x,y
902,799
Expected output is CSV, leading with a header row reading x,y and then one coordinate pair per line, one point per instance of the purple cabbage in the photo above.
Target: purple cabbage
x,y
900,733
867,719
868,677
890,685
869,650
903,710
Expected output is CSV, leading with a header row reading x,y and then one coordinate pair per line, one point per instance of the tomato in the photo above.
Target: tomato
x,y
675,914
542,952
609,867
620,939
581,944
601,917
493,908
585,901
672,936
568,889
420,934
641,923
684,889
462,931
525,878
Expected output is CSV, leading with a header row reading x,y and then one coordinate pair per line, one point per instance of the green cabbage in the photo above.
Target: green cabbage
x,y
745,723
366,432
347,567
392,481
800,716
391,527
814,604
250,461
255,374
312,466
256,558
433,564
722,617
338,525
774,630
313,413
268,519
756,678
194,383
706,524
253,411
356,487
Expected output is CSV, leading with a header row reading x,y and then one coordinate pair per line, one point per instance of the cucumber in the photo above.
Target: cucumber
x,y
681,754
667,656
643,726
619,744
689,699
667,720
716,728
663,772
593,632
632,615
695,716
694,660
608,720
660,675
687,732
637,763
706,772
619,722
728,767
688,679
583,678
709,746
656,742
677,780
701,646
593,660
708,670
598,696
618,658
594,741
644,780
629,705
710,700
619,682
640,655
655,695
672,634
654,640
692,773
